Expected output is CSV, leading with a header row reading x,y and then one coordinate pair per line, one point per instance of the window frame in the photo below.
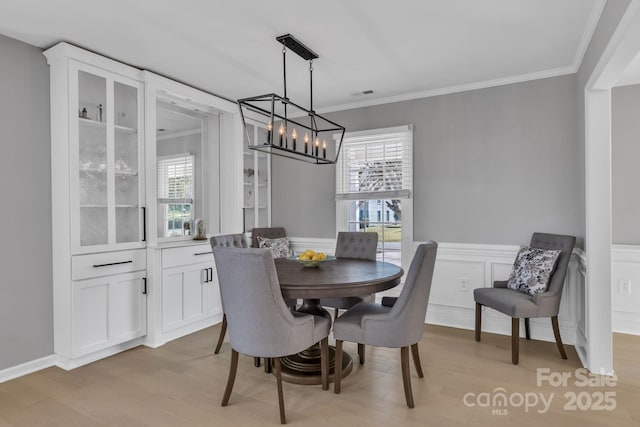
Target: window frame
x,y
167,201
342,203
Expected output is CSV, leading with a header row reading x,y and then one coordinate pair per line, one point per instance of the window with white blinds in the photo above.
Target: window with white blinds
x,y
376,164
175,179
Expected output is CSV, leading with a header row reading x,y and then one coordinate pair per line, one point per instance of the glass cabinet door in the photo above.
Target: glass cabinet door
x,y
108,162
125,167
256,181
92,139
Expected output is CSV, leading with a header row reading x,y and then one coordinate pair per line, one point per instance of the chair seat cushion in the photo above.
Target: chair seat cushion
x,y
321,326
507,301
348,326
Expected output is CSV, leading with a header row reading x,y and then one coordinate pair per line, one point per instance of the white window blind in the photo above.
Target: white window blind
x,y
175,179
376,164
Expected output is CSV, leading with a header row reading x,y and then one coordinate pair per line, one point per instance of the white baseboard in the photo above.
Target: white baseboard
x,y
68,364
27,368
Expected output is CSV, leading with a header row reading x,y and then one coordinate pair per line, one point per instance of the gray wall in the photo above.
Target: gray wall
x,y
490,166
26,300
625,156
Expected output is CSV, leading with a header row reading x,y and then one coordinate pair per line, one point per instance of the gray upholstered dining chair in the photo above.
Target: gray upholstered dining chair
x,y
357,245
519,305
226,241
271,233
398,326
260,323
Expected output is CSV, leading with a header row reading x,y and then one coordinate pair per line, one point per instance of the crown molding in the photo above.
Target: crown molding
x,y
581,49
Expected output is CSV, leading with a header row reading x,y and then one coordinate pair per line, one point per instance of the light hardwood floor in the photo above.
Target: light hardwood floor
x,y
181,384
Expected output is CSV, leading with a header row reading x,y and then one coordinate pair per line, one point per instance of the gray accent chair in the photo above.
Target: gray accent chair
x,y
356,245
260,323
227,241
398,326
519,305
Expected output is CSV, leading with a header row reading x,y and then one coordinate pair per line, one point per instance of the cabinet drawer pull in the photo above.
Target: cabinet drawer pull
x,y
202,253
112,263
144,290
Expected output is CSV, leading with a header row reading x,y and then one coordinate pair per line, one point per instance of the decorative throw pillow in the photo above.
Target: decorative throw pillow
x,y
532,270
279,247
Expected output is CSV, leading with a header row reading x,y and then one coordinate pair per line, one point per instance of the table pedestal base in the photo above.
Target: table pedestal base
x,y
304,367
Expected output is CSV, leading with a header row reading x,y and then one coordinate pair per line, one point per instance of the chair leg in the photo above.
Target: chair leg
x,y
416,360
406,375
337,372
556,333
223,331
276,367
515,340
232,377
478,320
527,328
324,363
267,365
361,353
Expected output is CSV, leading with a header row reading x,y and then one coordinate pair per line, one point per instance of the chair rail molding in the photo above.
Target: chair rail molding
x,y
625,289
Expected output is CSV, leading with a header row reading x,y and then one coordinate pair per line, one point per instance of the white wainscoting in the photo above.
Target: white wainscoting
x,y
625,307
460,268
479,266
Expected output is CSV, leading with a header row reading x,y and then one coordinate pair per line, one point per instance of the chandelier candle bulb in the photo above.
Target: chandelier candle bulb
x,y
281,134
294,136
306,142
317,145
269,127
324,149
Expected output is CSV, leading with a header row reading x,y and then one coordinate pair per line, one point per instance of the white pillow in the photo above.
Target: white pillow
x,y
279,247
532,270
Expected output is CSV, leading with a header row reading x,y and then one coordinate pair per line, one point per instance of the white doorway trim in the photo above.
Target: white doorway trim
x,y
622,48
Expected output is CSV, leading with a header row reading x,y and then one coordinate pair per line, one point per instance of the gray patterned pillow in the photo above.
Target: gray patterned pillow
x,y
532,270
279,247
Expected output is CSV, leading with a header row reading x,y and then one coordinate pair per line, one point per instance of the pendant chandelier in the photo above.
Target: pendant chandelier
x,y
291,130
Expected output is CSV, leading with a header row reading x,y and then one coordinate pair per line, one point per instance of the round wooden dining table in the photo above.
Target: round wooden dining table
x,y
342,277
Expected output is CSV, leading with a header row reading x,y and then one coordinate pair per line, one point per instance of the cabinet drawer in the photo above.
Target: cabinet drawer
x,y
174,257
104,264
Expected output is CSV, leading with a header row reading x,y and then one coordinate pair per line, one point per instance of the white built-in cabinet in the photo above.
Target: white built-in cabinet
x,y
97,178
118,281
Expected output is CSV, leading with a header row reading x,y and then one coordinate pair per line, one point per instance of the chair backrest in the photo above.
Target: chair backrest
x,y
409,311
259,322
556,241
267,233
357,244
229,241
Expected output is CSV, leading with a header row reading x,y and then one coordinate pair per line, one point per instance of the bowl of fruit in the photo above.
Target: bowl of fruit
x,y
311,259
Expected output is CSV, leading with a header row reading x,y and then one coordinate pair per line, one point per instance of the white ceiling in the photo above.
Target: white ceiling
x,y
401,49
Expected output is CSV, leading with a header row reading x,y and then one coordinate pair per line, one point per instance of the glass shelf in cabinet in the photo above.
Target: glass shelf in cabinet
x,y
125,130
